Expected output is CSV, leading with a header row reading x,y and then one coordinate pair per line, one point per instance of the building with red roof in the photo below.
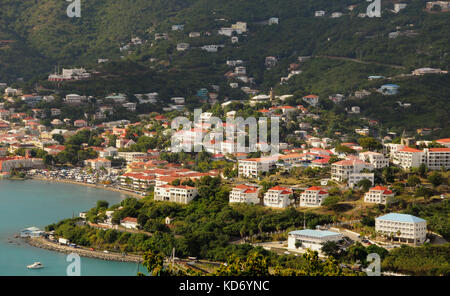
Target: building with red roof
x,y
244,194
278,197
379,195
129,222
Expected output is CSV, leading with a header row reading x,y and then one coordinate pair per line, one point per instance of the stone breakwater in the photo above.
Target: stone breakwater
x,y
43,243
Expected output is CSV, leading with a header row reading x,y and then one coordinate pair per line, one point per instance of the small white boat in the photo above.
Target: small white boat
x,y
35,265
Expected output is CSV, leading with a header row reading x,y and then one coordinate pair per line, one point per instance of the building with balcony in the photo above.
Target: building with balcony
x,y
402,228
179,194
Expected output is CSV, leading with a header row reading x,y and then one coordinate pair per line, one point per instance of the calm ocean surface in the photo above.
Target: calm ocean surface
x,y
36,203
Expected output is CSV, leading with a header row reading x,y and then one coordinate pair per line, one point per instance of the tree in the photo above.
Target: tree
x,y
313,266
254,265
436,179
369,143
102,204
331,202
388,175
154,262
379,250
331,248
368,221
365,184
423,191
413,180
357,252
423,170
59,138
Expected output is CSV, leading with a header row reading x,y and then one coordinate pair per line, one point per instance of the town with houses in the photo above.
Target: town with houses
x,y
349,175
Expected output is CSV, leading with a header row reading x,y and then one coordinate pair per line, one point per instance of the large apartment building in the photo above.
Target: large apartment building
x,y
437,158
278,197
342,170
7,164
403,228
178,194
244,194
313,197
433,158
378,194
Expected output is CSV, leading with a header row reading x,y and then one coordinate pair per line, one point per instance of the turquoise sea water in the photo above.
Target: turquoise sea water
x,y
36,203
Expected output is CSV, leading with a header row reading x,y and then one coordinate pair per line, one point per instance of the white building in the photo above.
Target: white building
x,y
74,99
342,170
336,14
273,21
131,156
244,194
399,6
378,194
312,100
311,239
319,13
179,194
129,223
98,163
409,157
252,167
376,159
354,178
404,228
182,46
313,197
277,197
437,158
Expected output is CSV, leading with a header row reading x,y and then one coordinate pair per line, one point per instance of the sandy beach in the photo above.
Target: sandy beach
x,y
91,185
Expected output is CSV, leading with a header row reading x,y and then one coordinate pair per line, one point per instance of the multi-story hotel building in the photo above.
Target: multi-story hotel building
x,y
433,158
403,228
244,194
252,167
277,197
313,197
437,158
378,194
179,194
342,170
409,157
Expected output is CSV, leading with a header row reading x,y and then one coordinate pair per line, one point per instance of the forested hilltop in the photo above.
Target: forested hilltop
x,y
347,49
43,26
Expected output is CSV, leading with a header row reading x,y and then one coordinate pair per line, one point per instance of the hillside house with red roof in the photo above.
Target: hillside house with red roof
x,y
278,197
378,194
313,197
244,194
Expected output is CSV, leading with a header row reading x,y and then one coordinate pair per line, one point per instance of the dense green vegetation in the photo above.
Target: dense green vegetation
x,y
426,260
203,228
436,214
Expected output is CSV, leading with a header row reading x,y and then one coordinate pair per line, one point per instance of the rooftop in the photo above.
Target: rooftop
x,y
401,218
314,233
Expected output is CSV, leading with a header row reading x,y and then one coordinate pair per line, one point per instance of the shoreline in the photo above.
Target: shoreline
x,y
43,243
135,195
